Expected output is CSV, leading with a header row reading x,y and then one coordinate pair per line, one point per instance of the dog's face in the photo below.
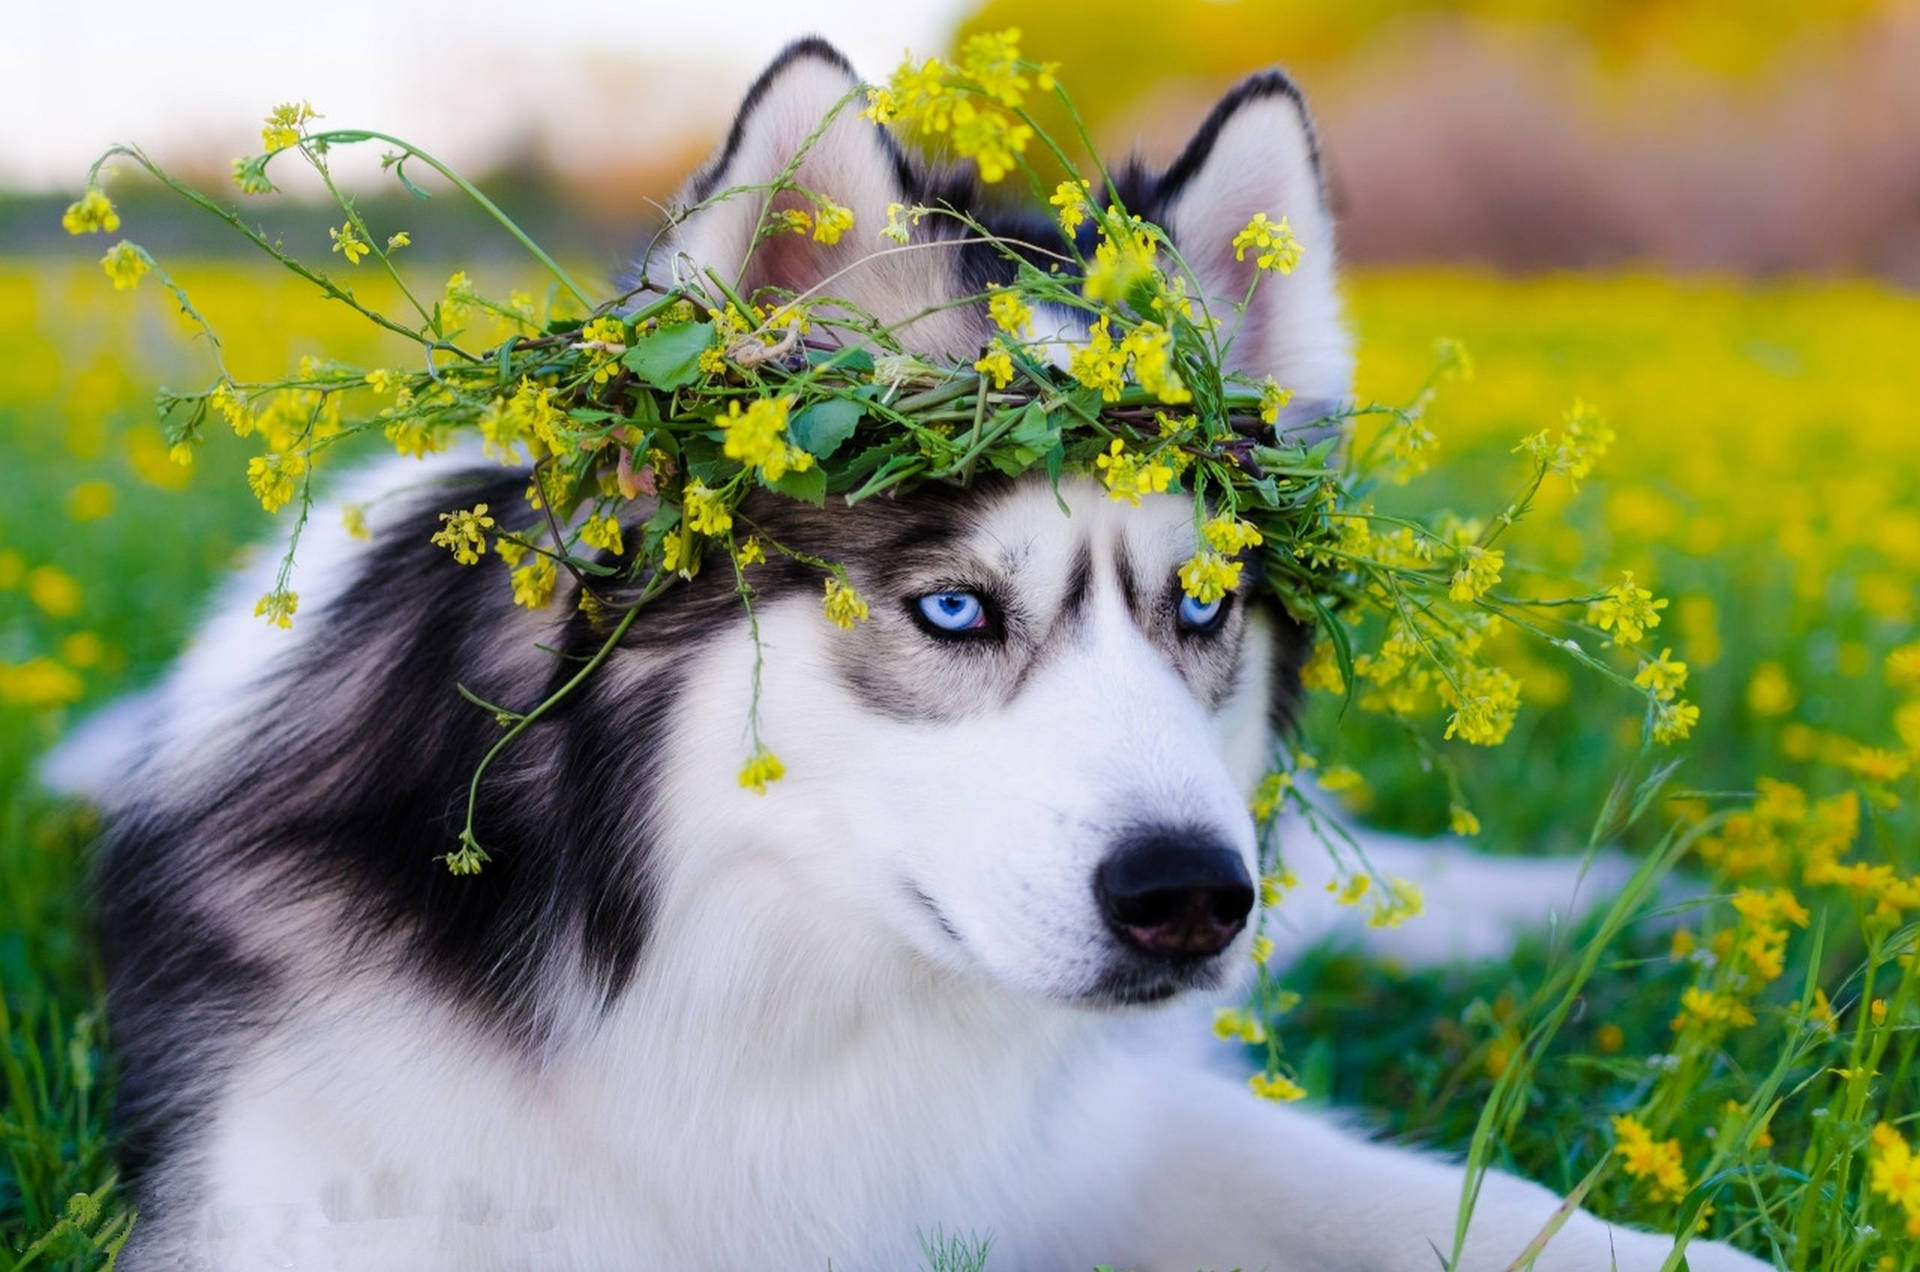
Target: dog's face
x,y
1032,761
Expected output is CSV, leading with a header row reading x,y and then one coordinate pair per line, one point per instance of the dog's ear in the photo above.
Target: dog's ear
x,y
1255,153
852,162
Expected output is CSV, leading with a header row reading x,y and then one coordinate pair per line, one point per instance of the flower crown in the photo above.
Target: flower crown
x,y
693,396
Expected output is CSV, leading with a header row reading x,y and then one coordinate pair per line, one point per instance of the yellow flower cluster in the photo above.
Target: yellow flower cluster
x,y
843,605
1009,312
1485,701
91,213
1129,475
1584,438
271,477
347,242
124,264
1144,354
705,511
1627,610
756,437
974,101
462,533
604,339
1273,243
1657,1164
762,767
1894,1173
284,125
1478,574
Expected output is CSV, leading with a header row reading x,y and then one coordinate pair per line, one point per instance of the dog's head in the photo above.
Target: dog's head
x,y
1032,762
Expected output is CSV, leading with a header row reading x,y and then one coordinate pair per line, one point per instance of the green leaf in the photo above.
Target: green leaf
x,y
1036,430
822,428
810,485
670,357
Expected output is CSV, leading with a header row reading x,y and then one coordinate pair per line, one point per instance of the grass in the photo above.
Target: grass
x,y
1763,478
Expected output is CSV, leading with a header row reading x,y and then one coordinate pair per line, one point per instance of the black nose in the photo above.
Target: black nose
x,y
1174,895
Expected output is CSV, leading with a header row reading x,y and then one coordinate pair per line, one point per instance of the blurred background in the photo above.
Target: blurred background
x,y
1701,217
1761,137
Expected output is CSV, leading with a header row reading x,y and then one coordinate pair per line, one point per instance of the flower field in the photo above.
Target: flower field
x,y
1747,1064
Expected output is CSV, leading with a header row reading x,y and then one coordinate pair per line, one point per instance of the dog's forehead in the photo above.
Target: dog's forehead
x,y
1035,529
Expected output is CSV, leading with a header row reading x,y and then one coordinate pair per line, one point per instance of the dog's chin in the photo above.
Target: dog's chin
x,y
1131,981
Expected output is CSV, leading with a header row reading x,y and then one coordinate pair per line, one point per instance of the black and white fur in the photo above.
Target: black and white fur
x,y
673,1024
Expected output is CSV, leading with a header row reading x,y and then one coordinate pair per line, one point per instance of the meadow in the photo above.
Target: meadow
x,y
1749,1065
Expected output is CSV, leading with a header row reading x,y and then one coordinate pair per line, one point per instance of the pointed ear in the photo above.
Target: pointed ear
x,y
854,163
1256,153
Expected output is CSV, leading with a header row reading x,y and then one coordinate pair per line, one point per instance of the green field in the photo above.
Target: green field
x,y
1764,477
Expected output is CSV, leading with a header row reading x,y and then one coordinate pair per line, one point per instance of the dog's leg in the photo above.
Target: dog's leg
x,y
1477,906
1228,1180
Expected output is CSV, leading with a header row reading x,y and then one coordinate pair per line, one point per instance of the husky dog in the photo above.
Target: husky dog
x,y
673,1024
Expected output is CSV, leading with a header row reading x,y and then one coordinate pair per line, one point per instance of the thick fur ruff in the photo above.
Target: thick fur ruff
x,y
676,1024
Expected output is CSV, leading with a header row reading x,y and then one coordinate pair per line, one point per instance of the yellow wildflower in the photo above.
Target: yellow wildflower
x,y
462,533
1903,666
90,501
705,511
124,264
1119,265
1627,610
1478,573
1485,705
1657,1164
1894,1173
1207,576
756,437
896,230
830,221
348,243
1009,311
271,477
1673,721
1276,1087
1129,476
1150,346
996,363
1274,242
353,519
1461,821
53,591
680,553
843,606
1230,1023
284,125
1100,363
90,213
1350,893
1228,534
1663,677
533,583
278,607
603,533
1071,198
761,768
604,339
750,553
1273,399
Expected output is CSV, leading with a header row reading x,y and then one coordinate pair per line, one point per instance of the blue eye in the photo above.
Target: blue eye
x,y
1197,617
953,611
